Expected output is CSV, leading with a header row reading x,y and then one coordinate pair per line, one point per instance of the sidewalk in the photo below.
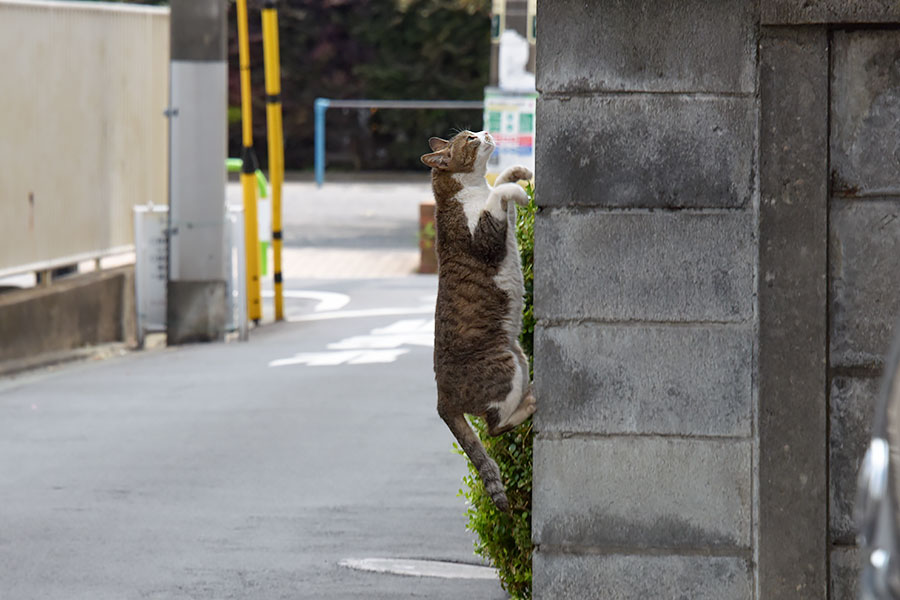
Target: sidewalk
x,y
350,228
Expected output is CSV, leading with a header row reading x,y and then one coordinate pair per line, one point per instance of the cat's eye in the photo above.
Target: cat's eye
x,y
472,137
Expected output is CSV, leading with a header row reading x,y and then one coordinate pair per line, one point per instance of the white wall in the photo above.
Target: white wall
x,y
83,137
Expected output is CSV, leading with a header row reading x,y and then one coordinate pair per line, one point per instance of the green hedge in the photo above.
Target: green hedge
x,y
505,538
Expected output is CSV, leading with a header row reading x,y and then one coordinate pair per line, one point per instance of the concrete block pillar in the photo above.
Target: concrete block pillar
x,y
793,244
645,275
197,121
715,287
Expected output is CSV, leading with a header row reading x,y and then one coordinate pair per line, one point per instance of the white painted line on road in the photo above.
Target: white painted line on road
x,y
409,332
333,359
381,345
420,568
371,312
328,301
407,326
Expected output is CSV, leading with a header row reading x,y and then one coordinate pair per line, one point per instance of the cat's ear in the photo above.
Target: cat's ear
x,y
437,160
437,143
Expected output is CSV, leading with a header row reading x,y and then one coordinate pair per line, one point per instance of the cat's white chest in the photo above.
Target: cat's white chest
x,y
509,278
473,199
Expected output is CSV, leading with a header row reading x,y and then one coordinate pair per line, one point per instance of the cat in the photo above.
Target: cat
x,y
479,366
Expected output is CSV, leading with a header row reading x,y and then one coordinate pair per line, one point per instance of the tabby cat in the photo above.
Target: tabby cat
x,y
479,366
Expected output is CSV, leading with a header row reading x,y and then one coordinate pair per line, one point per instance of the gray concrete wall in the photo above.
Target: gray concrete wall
x,y
864,246
81,311
715,267
645,274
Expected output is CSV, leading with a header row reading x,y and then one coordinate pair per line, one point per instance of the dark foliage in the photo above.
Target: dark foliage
x,y
378,49
374,49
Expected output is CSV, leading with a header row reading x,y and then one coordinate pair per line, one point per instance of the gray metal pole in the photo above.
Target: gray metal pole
x,y
197,149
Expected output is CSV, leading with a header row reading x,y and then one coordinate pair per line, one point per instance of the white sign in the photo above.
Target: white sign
x,y
509,118
151,247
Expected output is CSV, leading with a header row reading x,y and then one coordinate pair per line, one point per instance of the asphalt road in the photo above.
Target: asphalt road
x,y
240,470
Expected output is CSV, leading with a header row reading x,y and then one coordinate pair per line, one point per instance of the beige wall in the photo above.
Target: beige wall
x,y
83,137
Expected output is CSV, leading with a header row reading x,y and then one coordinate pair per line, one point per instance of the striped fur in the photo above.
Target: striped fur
x,y
479,367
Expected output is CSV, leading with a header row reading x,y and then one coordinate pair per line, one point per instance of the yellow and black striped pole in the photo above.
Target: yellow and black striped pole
x,y
272,64
248,172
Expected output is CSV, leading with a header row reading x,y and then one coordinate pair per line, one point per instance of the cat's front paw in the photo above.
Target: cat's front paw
x,y
522,174
518,195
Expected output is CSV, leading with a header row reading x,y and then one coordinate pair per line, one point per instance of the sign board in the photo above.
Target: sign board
x,y
531,34
151,247
236,273
498,19
151,243
509,118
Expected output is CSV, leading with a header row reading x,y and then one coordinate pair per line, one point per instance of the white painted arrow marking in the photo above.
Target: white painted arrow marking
x,y
332,359
382,345
410,332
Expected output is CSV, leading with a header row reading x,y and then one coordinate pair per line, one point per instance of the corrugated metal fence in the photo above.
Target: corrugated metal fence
x,y
83,137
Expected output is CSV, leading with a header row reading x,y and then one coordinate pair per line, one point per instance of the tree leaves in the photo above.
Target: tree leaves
x,y
373,49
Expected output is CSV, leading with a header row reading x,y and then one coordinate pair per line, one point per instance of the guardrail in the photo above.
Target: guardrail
x,y
323,104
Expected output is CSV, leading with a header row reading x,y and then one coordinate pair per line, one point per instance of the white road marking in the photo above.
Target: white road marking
x,y
410,332
332,359
371,312
382,345
328,301
420,568
407,326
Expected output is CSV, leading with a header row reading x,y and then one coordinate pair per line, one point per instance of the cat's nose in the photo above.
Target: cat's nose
x,y
488,138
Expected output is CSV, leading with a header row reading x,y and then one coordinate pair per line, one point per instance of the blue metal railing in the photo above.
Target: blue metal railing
x,y
323,104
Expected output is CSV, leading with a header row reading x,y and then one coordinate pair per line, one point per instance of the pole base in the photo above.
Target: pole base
x,y
195,312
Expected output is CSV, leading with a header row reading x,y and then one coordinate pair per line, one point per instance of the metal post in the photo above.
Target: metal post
x,y
251,231
321,106
195,294
272,64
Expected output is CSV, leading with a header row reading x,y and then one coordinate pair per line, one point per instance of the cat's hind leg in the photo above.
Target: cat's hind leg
x,y
474,449
526,408
518,405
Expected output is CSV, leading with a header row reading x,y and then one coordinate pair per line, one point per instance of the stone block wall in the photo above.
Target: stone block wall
x,y
645,296
864,253
715,273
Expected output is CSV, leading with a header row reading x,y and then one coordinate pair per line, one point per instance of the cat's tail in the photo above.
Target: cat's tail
x,y
474,449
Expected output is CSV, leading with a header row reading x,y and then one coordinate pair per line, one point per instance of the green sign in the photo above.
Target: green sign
x,y
496,27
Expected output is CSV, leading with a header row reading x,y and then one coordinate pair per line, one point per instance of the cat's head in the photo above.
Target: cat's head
x,y
466,152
